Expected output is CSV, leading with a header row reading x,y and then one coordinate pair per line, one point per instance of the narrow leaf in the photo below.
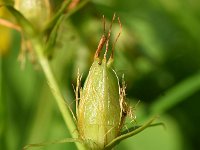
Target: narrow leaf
x,y
177,94
129,134
136,127
52,38
59,13
54,24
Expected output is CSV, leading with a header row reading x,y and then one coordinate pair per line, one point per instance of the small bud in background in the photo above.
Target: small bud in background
x,y
36,11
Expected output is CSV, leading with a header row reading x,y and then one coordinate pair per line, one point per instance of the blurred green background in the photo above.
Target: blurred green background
x,y
158,51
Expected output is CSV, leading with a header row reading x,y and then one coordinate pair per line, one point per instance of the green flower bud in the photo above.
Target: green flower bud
x,y
36,11
100,110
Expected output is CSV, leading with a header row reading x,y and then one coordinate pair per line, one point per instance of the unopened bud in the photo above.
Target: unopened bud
x,y
36,11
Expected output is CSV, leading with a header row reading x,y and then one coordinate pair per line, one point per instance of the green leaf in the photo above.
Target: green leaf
x,y
136,127
52,38
129,134
56,17
158,138
177,94
54,24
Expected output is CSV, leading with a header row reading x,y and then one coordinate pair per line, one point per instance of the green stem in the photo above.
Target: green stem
x,y
56,91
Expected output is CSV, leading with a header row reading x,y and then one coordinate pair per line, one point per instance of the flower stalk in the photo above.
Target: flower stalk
x,y
68,119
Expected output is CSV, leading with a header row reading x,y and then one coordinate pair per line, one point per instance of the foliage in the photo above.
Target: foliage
x,y
158,51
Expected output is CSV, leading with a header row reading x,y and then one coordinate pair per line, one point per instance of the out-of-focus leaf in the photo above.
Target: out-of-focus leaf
x,y
56,17
183,15
55,23
51,42
147,37
176,94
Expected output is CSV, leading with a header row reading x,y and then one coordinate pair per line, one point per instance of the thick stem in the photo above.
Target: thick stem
x,y
56,91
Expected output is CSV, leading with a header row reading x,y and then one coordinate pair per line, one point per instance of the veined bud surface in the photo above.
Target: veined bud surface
x,y
100,111
99,108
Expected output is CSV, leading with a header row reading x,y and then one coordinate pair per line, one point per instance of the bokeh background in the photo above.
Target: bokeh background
x,y
158,51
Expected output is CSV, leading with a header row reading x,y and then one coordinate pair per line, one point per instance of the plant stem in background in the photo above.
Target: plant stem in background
x,y
56,91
